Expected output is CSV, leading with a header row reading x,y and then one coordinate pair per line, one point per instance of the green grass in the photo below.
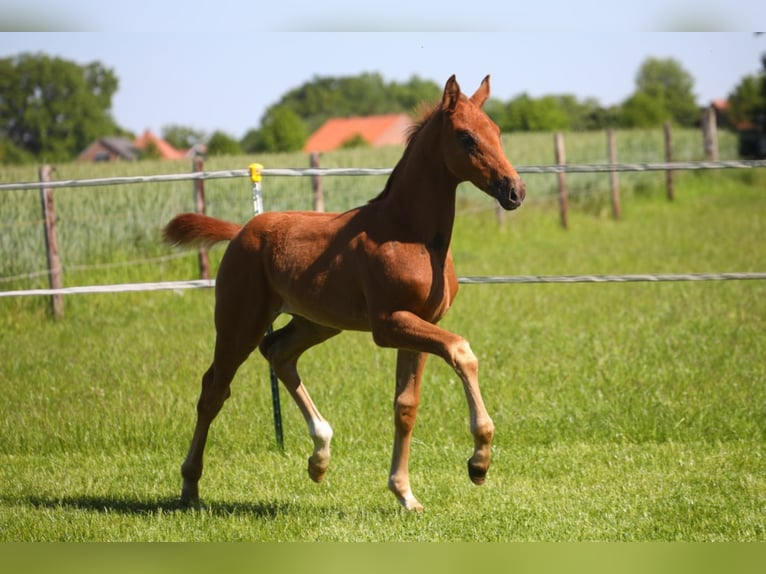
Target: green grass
x,y
624,412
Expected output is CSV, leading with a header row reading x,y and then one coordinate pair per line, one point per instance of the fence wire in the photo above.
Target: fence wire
x,y
471,280
289,172
303,172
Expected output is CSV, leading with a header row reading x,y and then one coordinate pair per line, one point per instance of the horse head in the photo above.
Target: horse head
x,y
472,149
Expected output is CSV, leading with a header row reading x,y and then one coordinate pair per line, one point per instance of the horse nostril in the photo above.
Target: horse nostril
x,y
509,191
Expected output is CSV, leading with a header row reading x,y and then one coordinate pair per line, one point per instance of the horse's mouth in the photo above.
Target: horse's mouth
x,y
508,203
509,194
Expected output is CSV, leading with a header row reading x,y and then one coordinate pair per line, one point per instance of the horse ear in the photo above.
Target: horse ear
x,y
482,93
451,94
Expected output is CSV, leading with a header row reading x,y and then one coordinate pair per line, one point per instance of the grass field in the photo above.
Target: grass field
x,y
624,412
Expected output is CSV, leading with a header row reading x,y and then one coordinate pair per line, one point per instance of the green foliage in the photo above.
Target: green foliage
x,y
221,143
747,102
53,108
367,94
286,125
527,114
643,111
664,91
182,137
355,141
150,151
282,131
11,154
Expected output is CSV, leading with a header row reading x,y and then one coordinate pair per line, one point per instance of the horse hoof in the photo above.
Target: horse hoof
x,y
190,497
316,472
411,505
477,475
417,508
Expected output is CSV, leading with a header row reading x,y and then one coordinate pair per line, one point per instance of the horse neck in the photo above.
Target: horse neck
x,y
420,194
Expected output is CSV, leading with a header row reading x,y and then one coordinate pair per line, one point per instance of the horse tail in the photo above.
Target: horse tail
x,y
198,229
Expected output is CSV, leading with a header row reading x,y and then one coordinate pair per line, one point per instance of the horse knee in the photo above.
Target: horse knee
x,y
405,414
213,395
463,359
483,432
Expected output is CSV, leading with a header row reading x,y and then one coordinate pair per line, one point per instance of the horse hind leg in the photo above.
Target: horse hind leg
x,y
212,397
241,323
216,388
282,349
409,371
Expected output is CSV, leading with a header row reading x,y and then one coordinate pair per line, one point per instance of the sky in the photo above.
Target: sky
x,y
222,72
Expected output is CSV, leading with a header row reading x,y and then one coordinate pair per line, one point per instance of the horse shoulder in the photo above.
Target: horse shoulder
x,y
411,276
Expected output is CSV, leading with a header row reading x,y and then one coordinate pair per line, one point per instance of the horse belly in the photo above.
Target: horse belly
x,y
322,288
331,303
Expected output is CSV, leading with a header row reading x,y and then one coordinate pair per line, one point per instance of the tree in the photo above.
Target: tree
x,y
528,114
747,102
547,113
52,108
367,94
414,93
282,130
497,110
354,142
251,141
182,137
664,91
11,154
643,111
221,143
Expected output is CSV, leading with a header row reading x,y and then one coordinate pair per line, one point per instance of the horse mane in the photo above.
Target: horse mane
x,y
424,113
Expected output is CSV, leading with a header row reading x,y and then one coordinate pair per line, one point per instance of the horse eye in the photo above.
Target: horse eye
x,y
467,140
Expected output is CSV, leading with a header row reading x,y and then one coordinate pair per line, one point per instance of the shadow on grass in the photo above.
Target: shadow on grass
x,y
164,505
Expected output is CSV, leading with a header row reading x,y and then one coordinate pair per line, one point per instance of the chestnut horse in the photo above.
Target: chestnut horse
x,y
384,267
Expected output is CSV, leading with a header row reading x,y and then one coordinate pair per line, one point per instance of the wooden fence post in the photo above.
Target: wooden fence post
x,y
51,241
316,183
710,133
614,185
669,159
563,200
198,165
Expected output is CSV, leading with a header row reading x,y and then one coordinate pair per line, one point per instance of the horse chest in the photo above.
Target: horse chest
x,y
421,276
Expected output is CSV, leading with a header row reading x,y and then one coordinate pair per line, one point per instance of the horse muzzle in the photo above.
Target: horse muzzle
x,y
510,193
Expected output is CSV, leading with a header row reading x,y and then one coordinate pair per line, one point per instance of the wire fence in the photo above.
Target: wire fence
x,y
470,280
309,172
328,172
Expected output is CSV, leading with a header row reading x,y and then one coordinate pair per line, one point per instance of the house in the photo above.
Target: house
x,y
146,145
148,141
109,149
721,109
378,131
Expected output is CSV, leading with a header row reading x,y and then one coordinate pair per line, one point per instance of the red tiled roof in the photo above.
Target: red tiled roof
x,y
389,129
165,150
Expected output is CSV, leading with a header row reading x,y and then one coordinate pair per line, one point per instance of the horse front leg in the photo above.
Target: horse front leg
x,y
466,365
409,371
405,330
